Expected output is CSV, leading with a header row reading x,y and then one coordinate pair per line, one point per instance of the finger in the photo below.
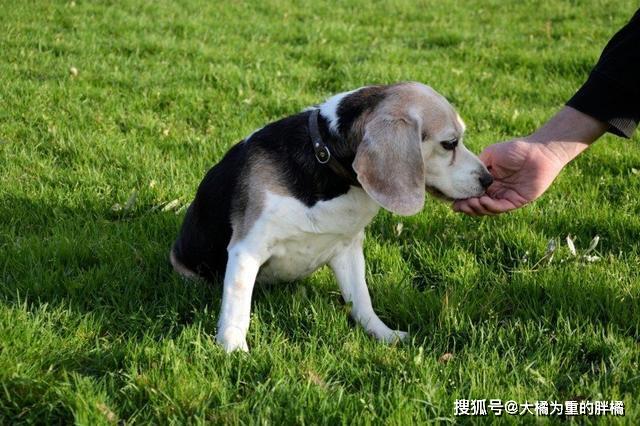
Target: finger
x,y
478,209
492,205
498,205
462,206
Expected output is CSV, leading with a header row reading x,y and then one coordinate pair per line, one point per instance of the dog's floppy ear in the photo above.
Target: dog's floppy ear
x,y
389,163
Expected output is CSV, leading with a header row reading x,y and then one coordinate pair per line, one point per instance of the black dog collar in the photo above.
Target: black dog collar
x,y
323,154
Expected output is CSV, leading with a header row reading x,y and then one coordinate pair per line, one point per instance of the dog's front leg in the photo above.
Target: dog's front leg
x,y
349,268
239,278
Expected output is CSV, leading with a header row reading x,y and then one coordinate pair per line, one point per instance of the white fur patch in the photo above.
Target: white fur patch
x,y
296,240
329,109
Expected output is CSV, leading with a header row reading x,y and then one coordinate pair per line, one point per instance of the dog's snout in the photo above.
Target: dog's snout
x,y
486,180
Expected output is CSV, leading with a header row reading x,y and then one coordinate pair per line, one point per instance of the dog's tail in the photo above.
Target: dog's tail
x,y
179,267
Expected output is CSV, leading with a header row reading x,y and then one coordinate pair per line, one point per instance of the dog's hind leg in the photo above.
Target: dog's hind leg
x,y
349,267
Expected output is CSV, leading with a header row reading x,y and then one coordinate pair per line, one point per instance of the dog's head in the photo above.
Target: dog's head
x,y
410,139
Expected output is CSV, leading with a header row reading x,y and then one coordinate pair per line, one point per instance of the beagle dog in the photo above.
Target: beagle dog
x,y
298,194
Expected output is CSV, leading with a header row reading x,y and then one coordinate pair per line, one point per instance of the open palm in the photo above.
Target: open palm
x,y
522,171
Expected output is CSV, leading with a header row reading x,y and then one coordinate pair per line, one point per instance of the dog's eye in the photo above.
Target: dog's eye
x,y
450,145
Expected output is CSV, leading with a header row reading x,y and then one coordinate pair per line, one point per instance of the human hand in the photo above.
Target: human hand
x,y
522,170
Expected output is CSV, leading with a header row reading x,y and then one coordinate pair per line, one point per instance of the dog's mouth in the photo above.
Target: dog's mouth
x,y
441,195
438,194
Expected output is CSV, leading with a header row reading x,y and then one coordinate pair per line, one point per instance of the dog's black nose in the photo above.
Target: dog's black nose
x,y
486,180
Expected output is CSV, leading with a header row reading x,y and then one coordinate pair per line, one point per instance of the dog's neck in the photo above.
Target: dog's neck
x,y
330,149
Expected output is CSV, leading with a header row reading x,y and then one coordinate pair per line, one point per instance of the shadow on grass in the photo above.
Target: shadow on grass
x,y
91,259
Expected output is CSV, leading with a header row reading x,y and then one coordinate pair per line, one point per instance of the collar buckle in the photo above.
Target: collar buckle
x,y
323,155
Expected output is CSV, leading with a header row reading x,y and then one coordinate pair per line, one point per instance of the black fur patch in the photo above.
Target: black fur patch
x,y
354,105
202,243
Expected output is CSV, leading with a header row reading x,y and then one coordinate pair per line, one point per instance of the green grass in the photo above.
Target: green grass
x,y
95,327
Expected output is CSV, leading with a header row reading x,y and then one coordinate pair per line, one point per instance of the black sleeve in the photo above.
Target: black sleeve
x,y
612,92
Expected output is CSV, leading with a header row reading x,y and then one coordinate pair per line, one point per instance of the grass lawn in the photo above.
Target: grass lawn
x,y
110,114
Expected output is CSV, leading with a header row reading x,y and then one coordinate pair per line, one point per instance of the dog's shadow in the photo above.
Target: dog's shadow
x,y
94,261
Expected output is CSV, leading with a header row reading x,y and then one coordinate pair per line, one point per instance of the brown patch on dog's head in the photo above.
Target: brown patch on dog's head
x,y
388,158
389,163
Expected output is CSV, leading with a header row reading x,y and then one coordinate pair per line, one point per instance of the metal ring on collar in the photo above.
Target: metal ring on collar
x,y
323,155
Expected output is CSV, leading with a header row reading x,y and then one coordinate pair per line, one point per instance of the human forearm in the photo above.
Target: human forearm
x,y
568,133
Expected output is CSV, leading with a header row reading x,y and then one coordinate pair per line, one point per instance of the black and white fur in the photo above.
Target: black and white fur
x,y
269,211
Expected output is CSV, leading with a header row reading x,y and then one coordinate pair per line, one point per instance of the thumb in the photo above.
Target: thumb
x,y
486,155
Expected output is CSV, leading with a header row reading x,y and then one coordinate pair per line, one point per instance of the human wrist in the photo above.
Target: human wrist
x,y
561,151
567,134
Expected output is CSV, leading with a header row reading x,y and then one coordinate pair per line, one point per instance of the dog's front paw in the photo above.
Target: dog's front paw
x,y
393,336
232,339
